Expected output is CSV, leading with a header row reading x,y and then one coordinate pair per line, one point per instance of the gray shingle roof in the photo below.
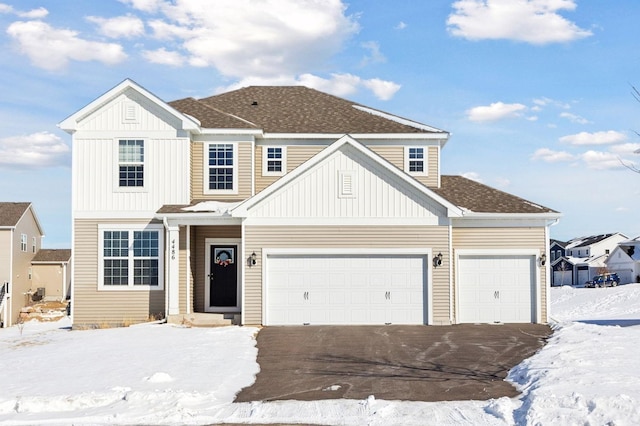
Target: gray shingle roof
x,y
479,198
52,255
293,109
10,213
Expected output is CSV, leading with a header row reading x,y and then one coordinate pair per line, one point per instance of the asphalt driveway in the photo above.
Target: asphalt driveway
x,y
413,363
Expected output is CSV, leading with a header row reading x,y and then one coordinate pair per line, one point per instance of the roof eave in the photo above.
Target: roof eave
x,y
402,136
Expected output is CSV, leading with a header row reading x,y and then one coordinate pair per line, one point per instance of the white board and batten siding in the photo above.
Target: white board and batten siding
x,y
348,186
166,157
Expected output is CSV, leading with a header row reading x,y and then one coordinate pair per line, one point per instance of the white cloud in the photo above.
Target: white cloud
x,y
574,118
599,160
549,156
341,85
52,48
495,111
472,175
375,56
165,57
502,183
531,21
401,26
626,148
38,13
42,149
121,26
597,138
148,6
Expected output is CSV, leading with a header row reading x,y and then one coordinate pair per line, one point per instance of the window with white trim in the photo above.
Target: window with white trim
x,y
130,163
222,168
33,244
23,242
274,161
131,258
415,160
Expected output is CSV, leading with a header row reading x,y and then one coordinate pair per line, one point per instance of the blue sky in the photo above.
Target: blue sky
x,y
537,94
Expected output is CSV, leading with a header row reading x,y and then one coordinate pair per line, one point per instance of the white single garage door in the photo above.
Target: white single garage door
x,y
345,289
496,289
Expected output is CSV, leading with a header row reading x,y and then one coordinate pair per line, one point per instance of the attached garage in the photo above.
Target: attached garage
x,y
497,288
346,289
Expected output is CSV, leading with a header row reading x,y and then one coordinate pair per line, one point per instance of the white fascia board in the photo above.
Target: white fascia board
x,y
70,124
546,216
397,119
176,219
386,136
242,209
254,132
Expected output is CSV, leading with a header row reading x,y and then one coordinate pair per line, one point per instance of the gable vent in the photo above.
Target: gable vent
x,y
130,112
346,187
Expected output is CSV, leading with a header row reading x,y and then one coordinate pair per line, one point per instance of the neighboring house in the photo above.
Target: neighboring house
x,y
286,205
20,239
585,257
625,261
52,274
562,271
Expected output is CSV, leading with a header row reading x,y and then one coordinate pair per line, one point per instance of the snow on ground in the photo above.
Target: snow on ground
x,y
588,373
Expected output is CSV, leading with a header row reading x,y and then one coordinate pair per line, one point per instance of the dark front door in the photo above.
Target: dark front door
x,y
223,279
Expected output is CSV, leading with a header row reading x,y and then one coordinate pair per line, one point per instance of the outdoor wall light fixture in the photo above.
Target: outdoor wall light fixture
x,y
437,261
253,258
543,259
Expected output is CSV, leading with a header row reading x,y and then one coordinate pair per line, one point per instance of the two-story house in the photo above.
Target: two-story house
x,y
286,205
584,258
625,261
20,239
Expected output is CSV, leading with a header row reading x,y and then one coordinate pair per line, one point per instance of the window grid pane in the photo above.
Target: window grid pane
x,y
145,272
131,151
145,244
131,175
416,160
116,272
221,166
116,243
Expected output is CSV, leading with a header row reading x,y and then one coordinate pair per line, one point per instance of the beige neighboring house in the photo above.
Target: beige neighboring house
x,y
285,205
20,240
52,274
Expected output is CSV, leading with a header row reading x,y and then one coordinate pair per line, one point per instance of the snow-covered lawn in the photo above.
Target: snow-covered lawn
x,y
588,373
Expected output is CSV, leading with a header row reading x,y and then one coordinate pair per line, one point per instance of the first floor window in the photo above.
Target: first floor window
x,y
131,258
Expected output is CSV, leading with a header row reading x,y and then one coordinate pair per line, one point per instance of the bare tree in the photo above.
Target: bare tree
x,y
636,94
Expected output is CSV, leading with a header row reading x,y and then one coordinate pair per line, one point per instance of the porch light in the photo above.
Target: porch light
x,y
437,261
543,259
253,258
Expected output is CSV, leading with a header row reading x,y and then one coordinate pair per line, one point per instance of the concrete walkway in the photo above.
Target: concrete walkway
x,y
413,363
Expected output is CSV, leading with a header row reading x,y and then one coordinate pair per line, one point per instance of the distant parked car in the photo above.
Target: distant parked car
x,y
604,280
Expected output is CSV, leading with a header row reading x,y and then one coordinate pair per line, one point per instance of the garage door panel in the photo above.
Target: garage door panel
x,y
497,288
371,289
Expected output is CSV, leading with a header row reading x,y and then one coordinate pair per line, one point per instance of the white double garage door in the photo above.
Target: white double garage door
x,y
353,289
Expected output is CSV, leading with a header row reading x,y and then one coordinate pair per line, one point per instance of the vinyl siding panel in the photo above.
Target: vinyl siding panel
x,y
506,238
50,277
200,234
393,154
198,172
296,155
259,237
6,246
94,307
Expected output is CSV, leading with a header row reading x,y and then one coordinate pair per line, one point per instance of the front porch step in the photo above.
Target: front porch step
x,y
200,319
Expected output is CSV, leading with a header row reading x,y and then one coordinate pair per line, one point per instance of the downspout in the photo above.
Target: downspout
x,y
451,283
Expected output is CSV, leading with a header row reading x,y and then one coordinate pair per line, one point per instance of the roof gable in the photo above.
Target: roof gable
x,y
72,123
11,213
52,256
366,168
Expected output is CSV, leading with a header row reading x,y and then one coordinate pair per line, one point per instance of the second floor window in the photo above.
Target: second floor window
x,y
131,163
33,244
273,161
221,167
415,161
23,242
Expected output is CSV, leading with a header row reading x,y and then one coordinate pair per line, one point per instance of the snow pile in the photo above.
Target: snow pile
x,y
162,374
